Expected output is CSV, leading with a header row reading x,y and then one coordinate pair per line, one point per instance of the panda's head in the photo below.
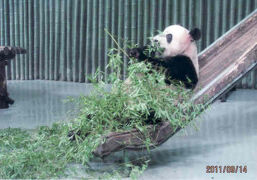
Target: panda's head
x,y
177,40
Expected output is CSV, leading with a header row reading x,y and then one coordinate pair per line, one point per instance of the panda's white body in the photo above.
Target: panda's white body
x,y
182,44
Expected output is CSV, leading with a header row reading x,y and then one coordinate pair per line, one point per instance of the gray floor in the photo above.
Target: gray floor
x,y
40,102
227,134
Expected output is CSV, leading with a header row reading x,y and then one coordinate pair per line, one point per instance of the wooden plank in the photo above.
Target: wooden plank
x,y
221,65
227,59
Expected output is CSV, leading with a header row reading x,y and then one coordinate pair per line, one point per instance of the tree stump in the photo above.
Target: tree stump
x,y
6,53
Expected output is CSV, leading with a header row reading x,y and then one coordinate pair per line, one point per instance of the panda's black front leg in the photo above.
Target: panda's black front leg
x,y
159,62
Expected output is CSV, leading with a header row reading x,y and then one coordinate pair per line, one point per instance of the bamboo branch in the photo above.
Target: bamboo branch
x,y
114,40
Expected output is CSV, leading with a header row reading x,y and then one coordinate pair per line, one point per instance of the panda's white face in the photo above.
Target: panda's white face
x,y
175,40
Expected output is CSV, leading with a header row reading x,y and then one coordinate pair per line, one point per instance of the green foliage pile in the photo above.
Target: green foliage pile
x,y
146,98
46,152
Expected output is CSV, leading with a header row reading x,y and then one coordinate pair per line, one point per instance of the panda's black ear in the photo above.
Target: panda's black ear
x,y
195,34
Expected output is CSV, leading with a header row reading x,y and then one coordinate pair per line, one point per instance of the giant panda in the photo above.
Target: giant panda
x,y
179,58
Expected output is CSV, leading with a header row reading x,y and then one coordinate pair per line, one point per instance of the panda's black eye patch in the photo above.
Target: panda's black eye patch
x,y
169,38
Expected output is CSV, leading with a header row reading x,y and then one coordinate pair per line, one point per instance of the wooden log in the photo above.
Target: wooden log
x,y
6,53
133,140
222,64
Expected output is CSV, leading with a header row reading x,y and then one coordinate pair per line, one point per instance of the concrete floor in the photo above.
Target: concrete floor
x,y
40,103
227,134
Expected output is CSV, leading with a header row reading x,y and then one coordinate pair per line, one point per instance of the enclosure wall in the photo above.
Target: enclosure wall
x,y
66,40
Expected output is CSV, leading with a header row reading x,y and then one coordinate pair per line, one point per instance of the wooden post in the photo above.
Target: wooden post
x,y
4,98
6,53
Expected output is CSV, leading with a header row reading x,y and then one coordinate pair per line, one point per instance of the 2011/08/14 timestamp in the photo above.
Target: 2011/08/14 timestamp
x,y
226,169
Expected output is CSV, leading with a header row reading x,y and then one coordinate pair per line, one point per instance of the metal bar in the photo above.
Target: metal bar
x,y
69,39
47,37
36,55
42,35
57,43
12,38
63,46
82,41
75,39
31,39
17,38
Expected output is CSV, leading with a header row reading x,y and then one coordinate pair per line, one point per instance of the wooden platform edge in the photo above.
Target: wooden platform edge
x,y
228,78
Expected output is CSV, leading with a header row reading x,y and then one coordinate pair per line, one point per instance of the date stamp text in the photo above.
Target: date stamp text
x,y
226,169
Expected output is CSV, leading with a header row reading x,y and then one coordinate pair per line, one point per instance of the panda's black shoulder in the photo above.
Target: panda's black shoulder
x,y
179,60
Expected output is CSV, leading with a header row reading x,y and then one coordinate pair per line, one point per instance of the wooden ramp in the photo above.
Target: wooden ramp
x,y
227,60
222,64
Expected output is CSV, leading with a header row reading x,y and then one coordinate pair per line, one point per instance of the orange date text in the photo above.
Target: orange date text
x,y
226,169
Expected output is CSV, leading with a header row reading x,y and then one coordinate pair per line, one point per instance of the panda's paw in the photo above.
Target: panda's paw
x,y
134,53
